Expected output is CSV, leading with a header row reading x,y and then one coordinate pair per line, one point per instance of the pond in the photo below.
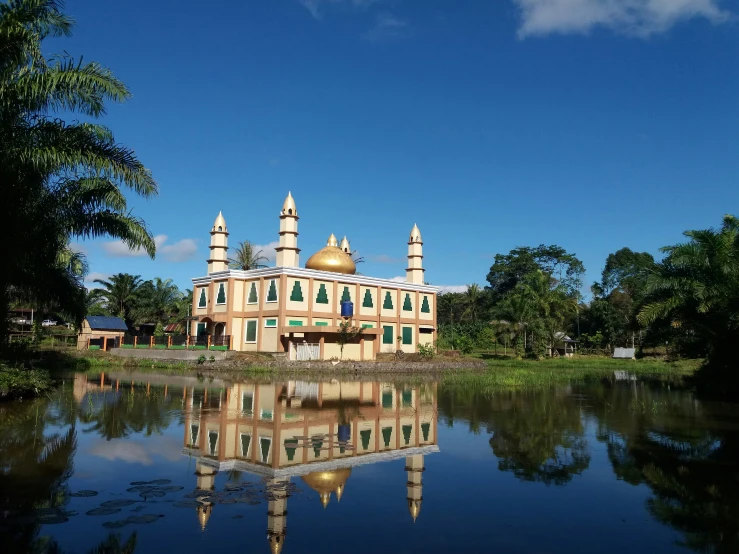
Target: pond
x,y
142,462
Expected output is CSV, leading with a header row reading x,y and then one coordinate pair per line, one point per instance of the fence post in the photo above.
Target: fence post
x,y
169,343
187,342
230,342
151,341
208,347
135,341
88,343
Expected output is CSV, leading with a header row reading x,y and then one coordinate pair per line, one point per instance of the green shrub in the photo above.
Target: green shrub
x,y
201,360
17,382
465,344
426,351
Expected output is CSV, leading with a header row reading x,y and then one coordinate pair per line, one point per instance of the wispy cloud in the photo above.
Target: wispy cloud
x,y
385,259
268,250
91,277
77,247
180,251
640,18
315,7
136,452
387,26
452,288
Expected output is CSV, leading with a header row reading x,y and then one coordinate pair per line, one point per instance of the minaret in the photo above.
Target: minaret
x,y
218,260
415,469
414,271
332,241
277,514
345,246
206,480
288,252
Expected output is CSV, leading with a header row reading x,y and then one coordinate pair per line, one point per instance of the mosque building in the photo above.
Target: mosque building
x,y
296,310
315,432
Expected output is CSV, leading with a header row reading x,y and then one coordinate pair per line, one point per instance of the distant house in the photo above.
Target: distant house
x,y
564,346
100,332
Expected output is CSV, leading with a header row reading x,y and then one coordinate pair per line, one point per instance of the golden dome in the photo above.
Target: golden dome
x,y
204,511
325,482
332,258
414,507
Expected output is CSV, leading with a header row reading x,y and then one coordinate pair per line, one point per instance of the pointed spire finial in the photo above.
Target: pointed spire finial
x,y
289,207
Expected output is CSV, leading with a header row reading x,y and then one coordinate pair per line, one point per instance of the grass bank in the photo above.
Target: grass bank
x,y
507,374
20,382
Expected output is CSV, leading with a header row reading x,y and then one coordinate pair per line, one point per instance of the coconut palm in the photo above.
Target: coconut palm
x,y
58,180
247,257
471,301
121,295
159,299
696,288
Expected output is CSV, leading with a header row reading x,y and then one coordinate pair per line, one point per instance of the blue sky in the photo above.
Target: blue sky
x,y
491,123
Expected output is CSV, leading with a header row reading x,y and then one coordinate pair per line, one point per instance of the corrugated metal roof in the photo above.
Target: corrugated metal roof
x,y
106,323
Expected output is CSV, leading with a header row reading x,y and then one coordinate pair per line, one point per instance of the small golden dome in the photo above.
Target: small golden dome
x,y
332,258
325,482
219,225
345,246
289,208
332,241
204,511
275,542
339,492
414,507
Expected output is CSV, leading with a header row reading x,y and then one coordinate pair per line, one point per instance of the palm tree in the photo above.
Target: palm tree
x,y
247,257
121,295
58,180
696,288
471,301
160,299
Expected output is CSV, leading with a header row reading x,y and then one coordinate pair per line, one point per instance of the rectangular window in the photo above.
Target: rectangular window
x,y
247,402
387,335
366,326
269,323
251,331
407,335
272,291
295,323
321,323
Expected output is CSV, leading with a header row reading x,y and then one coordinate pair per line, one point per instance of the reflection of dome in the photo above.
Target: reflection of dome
x,y
332,258
275,542
204,511
326,482
414,507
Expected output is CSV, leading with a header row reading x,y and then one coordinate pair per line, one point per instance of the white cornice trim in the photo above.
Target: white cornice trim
x,y
315,274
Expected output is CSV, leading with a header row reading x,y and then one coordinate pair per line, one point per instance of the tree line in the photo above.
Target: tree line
x,y
688,301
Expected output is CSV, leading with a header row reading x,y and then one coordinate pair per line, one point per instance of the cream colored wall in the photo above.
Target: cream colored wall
x,y
247,288
381,302
351,351
230,439
237,333
369,348
408,348
334,391
432,307
297,306
361,310
270,338
237,301
323,308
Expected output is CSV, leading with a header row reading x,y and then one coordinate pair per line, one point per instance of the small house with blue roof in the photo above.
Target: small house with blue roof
x,y
100,332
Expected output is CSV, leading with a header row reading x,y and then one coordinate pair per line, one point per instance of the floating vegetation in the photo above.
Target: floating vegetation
x,y
118,503
83,494
146,518
103,511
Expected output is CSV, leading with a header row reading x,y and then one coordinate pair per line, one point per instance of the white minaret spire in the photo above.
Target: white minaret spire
x,y
414,487
414,271
218,260
288,253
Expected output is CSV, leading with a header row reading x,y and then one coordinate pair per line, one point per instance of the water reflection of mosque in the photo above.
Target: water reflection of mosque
x,y
315,431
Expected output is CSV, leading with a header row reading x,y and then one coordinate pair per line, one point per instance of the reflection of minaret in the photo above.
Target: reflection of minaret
x,y
206,481
277,514
414,467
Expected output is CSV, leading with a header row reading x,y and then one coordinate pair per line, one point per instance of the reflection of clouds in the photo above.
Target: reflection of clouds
x,y
137,452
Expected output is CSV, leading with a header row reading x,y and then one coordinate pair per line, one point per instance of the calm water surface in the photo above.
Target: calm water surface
x,y
177,464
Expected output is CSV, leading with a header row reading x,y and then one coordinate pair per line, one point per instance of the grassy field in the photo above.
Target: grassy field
x,y
507,373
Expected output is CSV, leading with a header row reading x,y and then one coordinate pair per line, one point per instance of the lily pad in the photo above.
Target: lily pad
x,y
146,518
103,511
152,494
83,494
160,482
115,524
118,503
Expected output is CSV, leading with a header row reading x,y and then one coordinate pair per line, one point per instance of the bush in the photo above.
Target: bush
x,y
465,344
17,382
426,351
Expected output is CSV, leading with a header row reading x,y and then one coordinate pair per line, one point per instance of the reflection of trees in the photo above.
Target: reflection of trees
x,y
537,436
34,469
684,452
131,411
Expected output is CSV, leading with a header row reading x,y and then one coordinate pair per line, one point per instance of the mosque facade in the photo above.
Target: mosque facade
x,y
298,310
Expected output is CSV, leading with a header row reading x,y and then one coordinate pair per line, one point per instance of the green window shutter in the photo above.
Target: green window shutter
x,y
252,294
388,304
387,334
322,297
194,432
290,446
407,397
297,294
387,433
407,433
366,326
425,309
265,444
251,331
272,294
295,323
221,298
321,324
317,445
245,442
365,435
367,302
201,328
346,297
425,430
387,399
407,335
202,302
212,442
407,306
247,403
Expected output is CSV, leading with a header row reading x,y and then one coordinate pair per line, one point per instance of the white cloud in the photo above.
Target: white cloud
x,y
91,277
385,259
315,6
268,250
77,247
452,288
398,279
180,251
387,26
138,453
640,18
